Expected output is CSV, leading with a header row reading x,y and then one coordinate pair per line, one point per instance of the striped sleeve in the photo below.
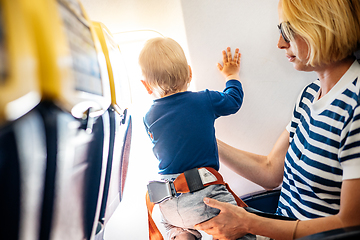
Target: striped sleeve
x,y
350,152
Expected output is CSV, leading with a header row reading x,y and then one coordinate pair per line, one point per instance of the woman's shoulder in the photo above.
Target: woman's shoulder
x,y
313,86
310,90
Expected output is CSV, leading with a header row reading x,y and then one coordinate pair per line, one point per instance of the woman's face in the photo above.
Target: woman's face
x,y
296,51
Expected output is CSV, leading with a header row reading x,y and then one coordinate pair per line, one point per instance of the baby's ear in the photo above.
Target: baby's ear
x,y
190,74
147,86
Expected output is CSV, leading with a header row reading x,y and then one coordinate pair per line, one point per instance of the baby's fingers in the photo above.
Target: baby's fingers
x,y
225,60
237,56
229,54
220,67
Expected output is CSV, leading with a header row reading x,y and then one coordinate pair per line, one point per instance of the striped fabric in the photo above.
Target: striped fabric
x,y
324,148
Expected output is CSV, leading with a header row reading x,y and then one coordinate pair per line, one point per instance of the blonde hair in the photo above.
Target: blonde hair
x,y
331,28
164,65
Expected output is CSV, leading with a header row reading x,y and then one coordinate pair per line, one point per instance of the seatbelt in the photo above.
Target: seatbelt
x,y
154,233
189,181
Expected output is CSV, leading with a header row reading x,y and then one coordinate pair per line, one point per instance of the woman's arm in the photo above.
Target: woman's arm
x,y
234,222
348,214
267,171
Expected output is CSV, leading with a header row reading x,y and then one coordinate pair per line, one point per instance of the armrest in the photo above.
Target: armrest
x,y
266,201
268,215
336,234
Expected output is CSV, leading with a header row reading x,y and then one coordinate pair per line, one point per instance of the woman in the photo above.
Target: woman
x,y
317,157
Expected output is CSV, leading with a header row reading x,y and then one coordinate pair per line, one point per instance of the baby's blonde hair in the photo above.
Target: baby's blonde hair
x,y
164,65
331,28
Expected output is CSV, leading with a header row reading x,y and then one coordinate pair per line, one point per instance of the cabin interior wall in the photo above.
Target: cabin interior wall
x,y
204,28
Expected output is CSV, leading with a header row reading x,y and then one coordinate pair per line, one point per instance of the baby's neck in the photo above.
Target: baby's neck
x,y
169,94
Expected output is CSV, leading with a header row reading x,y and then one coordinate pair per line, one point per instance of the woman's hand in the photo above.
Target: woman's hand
x,y
228,225
231,66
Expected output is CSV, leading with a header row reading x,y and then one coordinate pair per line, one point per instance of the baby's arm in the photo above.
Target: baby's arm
x,y
231,67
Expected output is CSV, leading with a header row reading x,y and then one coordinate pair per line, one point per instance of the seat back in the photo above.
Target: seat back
x,y
349,233
120,126
22,130
265,201
75,97
357,55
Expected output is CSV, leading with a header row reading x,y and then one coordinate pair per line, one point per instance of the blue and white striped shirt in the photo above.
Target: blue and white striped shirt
x,y
324,148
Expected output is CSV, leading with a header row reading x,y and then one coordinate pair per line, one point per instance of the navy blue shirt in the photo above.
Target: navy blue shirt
x,y
181,127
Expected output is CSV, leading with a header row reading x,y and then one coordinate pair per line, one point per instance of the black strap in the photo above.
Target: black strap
x,y
193,180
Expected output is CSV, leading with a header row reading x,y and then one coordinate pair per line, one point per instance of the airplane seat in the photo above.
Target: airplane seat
x,y
125,157
98,170
100,223
117,165
22,131
349,233
75,96
9,184
357,55
22,176
264,201
120,127
75,169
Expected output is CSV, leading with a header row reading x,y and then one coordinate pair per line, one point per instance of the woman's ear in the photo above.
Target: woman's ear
x,y
147,86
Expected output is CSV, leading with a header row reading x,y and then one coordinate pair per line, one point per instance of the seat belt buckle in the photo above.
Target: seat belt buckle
x,y
160,190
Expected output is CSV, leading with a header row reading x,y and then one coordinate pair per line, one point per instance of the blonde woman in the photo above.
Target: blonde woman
x,y
317,157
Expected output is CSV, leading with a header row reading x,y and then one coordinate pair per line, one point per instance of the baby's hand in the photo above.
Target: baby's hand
x,y
231,66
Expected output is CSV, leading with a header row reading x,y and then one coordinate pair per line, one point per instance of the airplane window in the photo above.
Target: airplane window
x,y
119,72
131,44
74,6
85,63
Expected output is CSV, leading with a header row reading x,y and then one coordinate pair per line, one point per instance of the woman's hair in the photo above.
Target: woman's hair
x,y
164,65
331,28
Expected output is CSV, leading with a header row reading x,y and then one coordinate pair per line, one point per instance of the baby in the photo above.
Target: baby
x,y
180,124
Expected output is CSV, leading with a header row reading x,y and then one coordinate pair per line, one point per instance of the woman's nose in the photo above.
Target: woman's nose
x,y
282,44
